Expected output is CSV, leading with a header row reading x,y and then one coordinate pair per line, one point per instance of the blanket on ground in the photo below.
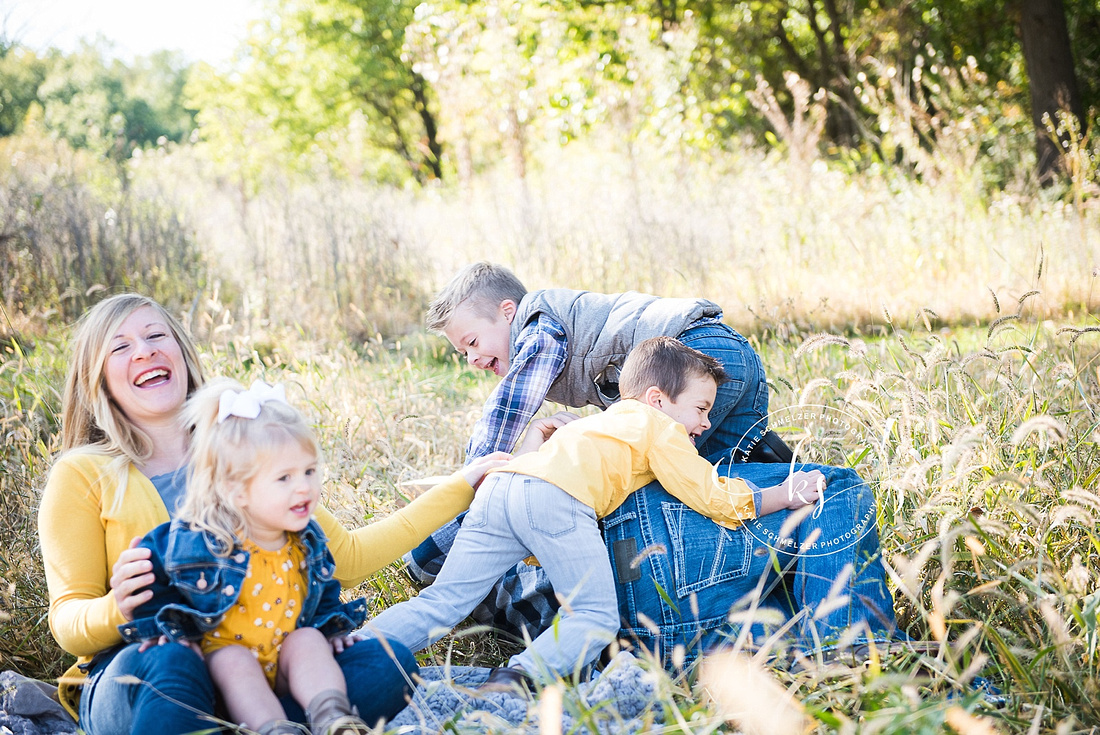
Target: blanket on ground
x,y
617,702
30,707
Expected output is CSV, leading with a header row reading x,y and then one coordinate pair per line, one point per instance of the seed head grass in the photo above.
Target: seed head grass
x,y
985,466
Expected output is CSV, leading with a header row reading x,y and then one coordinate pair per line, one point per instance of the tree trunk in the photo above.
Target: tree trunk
x,y
1050,72
431,131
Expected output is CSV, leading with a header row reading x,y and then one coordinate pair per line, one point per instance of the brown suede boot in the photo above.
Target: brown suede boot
x,y
512,679
282,727
330,713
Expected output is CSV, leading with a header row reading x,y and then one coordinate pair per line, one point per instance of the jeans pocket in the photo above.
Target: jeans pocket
x,y
703,553
760,405
478,515
550,510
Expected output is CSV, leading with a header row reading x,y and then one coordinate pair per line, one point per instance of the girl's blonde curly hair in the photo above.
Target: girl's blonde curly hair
x,y
225,457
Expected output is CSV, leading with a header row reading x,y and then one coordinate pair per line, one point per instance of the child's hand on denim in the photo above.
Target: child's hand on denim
x,y
799,489
341,643
542,429
475,471
164,640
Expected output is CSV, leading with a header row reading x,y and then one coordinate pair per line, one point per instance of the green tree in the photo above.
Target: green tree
x,y
319,82
154,104
21,73
513,76
82,99
97,102
828,43
369,37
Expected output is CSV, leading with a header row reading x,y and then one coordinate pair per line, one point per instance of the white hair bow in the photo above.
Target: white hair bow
x,y
246,404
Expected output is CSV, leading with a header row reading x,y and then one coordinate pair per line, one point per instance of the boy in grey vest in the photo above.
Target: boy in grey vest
x,y
569,346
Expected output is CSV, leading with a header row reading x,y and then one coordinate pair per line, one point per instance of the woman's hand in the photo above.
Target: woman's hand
x,y
163,641
542,429
129,575
475,471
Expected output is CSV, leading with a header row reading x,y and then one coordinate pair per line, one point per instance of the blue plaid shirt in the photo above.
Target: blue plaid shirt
x,y
523,600
540,354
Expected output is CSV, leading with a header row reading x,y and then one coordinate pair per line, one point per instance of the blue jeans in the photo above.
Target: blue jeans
x,y
513,517
681,578
176,695
738,416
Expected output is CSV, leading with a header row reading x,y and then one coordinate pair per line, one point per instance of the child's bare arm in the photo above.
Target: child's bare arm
x,y
799,489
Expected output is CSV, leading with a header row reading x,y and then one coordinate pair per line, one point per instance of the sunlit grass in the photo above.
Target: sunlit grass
x,y
986,484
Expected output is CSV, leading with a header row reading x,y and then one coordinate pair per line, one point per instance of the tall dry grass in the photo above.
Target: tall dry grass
x,y
987,485
809,241
829,250
70,227
30,400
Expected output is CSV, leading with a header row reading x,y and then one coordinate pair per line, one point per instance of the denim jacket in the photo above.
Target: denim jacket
x,y
195,587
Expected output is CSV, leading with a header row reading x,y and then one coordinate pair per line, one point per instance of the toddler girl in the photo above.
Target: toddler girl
x,y
244,571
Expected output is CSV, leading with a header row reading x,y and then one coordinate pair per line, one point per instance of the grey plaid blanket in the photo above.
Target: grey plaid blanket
x,y
619,701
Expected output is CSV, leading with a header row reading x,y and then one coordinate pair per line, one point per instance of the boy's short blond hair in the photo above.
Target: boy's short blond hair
x,y
668,364
483,285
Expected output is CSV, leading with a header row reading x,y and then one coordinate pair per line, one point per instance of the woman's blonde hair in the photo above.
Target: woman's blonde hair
x,y
226,455
90,417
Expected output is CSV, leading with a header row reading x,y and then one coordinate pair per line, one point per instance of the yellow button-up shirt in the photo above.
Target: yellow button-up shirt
x,y
601,459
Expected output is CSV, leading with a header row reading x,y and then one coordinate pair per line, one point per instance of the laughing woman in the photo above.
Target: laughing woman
x,y
121,471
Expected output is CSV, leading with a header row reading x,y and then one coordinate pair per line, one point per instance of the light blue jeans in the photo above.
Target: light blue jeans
x,y
513,517
683,580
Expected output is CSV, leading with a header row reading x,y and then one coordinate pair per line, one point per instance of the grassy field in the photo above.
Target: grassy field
x,y
986,474
812,245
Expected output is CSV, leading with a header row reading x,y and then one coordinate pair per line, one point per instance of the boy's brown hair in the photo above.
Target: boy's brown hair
x,y
483,285
668,364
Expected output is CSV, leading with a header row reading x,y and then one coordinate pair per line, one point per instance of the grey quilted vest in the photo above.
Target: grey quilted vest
x,y
601,329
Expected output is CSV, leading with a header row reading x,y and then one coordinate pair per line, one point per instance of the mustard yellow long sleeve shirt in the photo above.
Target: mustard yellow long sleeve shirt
x,y
82,534
601,459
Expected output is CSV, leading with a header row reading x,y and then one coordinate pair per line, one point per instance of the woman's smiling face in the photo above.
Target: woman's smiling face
x,y
145,372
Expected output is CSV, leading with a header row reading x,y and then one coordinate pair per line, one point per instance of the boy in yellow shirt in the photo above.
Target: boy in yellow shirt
x,y
546,503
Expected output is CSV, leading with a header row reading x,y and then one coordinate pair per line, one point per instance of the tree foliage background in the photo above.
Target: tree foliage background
x,y
402,90
369,101
915,182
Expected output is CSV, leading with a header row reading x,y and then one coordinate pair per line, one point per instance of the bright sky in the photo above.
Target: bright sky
x,y
206,30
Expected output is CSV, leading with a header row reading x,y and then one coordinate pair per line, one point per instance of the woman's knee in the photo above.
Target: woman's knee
x,y
176,660
379,677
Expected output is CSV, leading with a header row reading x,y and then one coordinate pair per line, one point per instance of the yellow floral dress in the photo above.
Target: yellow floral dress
x,y
268,607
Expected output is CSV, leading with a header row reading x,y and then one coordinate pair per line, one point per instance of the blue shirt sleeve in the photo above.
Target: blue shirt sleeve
x,y
538,361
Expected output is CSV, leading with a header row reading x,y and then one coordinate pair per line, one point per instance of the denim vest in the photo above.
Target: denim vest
x,y
600,329
195,587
